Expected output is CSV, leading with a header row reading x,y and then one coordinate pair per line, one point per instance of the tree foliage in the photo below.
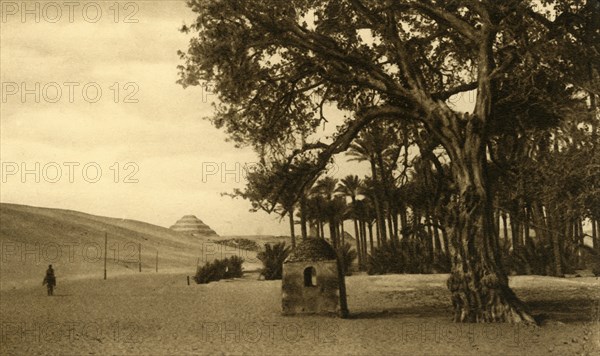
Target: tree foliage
x,y
277,64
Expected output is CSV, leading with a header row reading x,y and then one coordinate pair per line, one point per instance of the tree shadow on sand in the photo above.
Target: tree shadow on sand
x,y
562,310
566,310
397,313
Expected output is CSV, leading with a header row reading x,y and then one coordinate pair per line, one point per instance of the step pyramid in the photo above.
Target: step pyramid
x,y
190,224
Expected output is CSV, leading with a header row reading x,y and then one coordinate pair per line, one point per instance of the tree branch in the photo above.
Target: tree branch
x,y
446,94
447,19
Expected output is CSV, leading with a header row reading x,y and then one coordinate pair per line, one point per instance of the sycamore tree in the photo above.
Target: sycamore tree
x,y
271,186
276,65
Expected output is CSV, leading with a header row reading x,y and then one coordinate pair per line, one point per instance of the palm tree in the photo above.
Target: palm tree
x,y
326,187
368,213
314,214
380,145
332,206
350,186
362,214
363,149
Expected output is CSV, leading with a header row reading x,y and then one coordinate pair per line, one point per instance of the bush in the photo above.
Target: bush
x,y
234,267
385,259
219,269
407,256
347,255
272,259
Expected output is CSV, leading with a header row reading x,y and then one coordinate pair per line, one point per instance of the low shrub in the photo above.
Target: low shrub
x,y
219,269
234,267
272,258
386,258
406,256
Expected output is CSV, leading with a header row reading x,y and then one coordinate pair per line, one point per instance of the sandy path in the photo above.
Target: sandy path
x,y
401,314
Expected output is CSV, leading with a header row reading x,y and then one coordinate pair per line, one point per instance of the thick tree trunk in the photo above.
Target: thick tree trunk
x,y
478,282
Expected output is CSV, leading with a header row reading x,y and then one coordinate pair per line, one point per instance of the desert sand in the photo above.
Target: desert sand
x,y
159,314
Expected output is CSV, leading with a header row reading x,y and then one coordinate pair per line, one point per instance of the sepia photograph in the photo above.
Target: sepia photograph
x,y
299,177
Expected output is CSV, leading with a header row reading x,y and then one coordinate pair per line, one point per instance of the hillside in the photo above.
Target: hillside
x,y
73,242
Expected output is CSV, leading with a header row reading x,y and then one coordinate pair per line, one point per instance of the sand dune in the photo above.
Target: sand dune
x,y
31,238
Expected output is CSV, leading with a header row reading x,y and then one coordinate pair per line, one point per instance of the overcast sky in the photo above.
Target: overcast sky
x,y
143,131
155,124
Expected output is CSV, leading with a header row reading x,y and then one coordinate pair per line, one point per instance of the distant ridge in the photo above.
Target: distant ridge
x,y
192,225
31,238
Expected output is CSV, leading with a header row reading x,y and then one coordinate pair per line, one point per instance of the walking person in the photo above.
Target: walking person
x,y
50,280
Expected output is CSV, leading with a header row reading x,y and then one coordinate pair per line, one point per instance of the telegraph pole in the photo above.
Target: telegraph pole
x,y
140,255
105,252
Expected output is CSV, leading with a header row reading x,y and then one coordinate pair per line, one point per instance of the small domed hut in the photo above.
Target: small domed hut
x,y
310,282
